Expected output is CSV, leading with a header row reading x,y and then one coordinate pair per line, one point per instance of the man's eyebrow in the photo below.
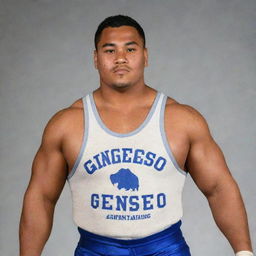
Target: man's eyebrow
x,y
112,44
108,44
132,42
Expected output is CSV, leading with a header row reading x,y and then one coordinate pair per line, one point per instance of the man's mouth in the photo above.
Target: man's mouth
x,y
121,70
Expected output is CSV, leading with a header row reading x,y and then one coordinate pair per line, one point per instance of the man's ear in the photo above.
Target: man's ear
x,y
95,58
146,57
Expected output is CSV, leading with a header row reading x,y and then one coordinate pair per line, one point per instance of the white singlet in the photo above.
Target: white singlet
x,y
126,186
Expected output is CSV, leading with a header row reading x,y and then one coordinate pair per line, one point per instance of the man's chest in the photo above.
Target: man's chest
x,y
116,122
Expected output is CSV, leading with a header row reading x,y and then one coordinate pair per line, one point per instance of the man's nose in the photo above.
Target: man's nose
x,y
120,57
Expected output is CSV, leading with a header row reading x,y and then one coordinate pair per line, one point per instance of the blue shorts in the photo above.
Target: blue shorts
x,y
167,242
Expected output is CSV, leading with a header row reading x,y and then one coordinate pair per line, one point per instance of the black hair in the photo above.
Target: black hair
x,y
118,21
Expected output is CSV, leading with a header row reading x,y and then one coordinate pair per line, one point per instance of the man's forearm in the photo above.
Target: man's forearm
x,y
35,225
230,216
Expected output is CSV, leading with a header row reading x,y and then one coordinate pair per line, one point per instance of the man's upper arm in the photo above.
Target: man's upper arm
x,y
205,162
49,170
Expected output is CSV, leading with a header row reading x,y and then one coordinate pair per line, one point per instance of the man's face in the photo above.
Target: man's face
x,y
120,57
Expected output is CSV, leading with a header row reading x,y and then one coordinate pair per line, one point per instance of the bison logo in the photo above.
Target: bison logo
x,y
125,179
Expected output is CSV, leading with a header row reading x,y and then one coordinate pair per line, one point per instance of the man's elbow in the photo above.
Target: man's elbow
x,y
222,188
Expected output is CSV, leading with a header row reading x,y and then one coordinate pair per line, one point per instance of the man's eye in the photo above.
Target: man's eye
x,y
131,49
109,51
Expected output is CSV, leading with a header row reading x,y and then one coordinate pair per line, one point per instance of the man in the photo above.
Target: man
x,y
125,150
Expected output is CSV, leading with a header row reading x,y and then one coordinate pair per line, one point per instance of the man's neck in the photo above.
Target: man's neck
x,y
124,99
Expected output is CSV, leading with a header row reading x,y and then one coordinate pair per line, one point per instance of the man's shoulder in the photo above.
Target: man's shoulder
x,y
181,110
65,118
70,112
184,115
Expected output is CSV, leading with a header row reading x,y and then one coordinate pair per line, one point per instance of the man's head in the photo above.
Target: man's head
x,y
115,22
120,55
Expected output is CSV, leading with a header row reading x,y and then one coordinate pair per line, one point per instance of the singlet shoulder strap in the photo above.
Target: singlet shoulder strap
x,y
85,135
164,136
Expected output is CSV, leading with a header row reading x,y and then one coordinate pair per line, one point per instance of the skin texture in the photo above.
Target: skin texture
x,y
123,101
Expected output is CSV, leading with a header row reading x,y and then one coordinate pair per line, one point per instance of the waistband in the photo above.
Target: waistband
x,y
171,235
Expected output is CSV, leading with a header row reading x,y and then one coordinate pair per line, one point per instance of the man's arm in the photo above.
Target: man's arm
x,y
207,167
47,181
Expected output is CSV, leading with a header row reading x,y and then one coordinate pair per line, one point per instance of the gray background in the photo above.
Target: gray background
x,y
202,53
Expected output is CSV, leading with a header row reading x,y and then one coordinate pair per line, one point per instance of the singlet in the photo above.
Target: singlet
x,y
126,186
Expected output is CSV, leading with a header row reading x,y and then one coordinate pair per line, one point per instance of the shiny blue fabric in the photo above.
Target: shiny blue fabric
x,y
167,242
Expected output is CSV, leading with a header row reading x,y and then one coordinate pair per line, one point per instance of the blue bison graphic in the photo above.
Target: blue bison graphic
x,y
125,179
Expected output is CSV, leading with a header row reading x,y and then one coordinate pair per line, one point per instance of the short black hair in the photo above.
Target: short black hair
x,y
118,21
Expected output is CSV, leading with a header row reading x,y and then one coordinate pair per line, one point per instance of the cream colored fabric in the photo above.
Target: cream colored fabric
x,y
126,186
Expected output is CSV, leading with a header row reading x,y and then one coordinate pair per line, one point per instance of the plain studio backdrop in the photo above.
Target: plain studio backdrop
x,y
201,53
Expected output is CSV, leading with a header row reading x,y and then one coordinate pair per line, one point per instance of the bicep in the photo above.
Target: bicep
x,y
49,170
48,175
205,162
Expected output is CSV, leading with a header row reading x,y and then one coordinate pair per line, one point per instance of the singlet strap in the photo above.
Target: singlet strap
x,y
85,136
164,137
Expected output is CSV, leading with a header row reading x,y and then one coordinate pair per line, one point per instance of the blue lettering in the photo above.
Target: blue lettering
x,y
147,205
128,203
121,201
96,157
137,156
150,159
128,217
95,201
105,158
161,200
115,156
160,163
122,217
90,169
126,157
105,202
134,205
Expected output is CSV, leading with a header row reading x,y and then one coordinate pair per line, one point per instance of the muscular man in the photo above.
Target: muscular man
x,y
125,150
